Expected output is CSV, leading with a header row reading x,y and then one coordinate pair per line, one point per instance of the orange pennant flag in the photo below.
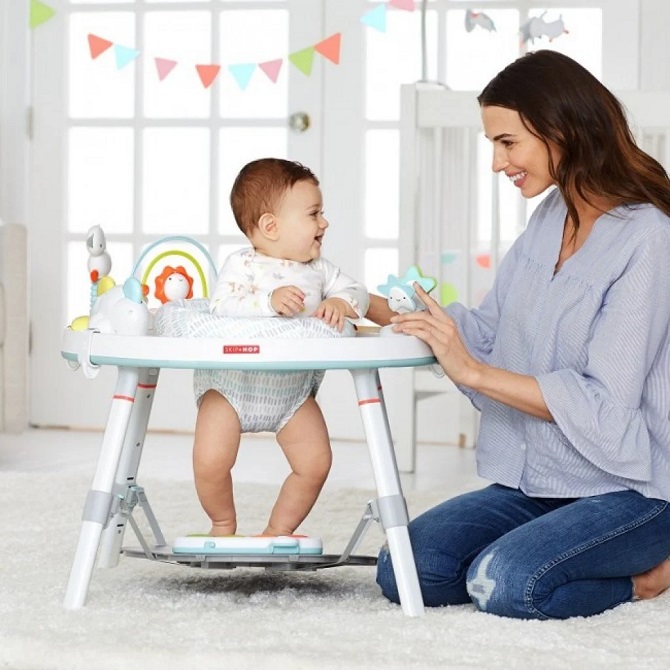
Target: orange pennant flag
x,y
207,74
97,45
330,48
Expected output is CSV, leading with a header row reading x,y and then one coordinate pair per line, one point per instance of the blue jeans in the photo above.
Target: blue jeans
x,y
534,558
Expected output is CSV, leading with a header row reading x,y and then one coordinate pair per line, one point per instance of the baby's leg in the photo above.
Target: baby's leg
x,y
305,443
217,440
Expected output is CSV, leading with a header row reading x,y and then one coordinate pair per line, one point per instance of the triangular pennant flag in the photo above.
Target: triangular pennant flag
x,y
407,5
97,45
330,48
271,68
164,67
375,18
303,60
124,55
39,13
242,73
207,74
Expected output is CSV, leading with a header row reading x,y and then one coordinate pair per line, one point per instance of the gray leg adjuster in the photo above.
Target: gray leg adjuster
x,y
97,507
391,511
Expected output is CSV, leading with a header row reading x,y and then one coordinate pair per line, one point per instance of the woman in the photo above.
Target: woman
x,y
568,359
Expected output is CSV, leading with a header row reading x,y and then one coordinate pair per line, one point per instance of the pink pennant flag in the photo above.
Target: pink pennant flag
x,y
271,69
164,67
407,5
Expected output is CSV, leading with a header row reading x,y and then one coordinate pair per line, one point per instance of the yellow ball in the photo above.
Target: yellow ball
x,y
80,323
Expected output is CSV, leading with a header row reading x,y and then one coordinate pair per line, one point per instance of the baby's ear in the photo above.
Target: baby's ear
x,y
267,226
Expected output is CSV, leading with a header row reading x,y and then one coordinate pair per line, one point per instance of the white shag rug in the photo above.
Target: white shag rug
x,y
151,615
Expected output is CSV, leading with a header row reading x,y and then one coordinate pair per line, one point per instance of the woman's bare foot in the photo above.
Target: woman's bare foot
x,y
653,582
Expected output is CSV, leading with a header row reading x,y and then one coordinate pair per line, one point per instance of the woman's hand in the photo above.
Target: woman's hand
x,y
439,332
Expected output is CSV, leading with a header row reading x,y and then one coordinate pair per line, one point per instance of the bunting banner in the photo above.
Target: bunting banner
x,y
39,13
303,59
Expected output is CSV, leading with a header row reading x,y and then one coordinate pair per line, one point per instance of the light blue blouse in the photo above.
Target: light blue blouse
x,y
595,336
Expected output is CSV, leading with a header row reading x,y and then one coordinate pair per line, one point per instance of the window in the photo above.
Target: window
x,y
464,53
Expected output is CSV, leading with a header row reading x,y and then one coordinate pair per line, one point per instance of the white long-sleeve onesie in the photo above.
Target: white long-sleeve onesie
x,y
248,278
265,401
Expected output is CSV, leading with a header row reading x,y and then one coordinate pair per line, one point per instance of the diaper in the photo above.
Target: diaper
x,y
263,400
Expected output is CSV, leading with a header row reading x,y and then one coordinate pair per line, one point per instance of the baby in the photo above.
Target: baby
x,y
278,205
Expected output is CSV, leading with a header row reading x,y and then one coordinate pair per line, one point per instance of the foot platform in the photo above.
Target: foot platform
x,y
286,552
248,544
218,561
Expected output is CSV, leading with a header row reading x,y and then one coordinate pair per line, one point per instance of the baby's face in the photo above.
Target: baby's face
x,y
300,223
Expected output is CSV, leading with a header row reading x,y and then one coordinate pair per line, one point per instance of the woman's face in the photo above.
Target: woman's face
x,y
517,152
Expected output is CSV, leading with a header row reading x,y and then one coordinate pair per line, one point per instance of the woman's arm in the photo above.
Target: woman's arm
x,y
438,330
379,311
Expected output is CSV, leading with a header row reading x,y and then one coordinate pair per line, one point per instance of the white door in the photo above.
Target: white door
x,y
116,145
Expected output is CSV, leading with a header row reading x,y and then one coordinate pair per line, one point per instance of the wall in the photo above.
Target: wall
x,y
14,102
654,74
654,45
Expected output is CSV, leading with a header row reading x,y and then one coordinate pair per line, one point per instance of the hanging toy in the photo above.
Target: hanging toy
x,y
536,27
99,265
401,294
99,262
474,19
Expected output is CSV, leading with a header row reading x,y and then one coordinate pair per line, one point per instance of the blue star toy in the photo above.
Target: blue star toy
x,y
400,291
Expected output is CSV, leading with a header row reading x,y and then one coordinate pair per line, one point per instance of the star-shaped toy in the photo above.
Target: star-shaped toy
x,y
401,293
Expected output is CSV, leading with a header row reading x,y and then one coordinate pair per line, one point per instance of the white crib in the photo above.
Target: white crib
x,y
457,220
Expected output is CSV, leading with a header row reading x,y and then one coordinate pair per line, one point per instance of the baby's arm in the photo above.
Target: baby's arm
x,y
343,297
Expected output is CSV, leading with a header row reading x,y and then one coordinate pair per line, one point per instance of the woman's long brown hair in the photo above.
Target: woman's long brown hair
x,y
561,102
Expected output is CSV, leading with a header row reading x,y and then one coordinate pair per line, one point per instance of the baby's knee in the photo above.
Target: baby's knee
x,y
319,468
315,464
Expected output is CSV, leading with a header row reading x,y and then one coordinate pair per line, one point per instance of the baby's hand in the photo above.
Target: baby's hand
x,y
287,300
333,311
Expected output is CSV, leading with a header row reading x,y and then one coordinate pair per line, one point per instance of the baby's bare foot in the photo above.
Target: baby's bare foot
x,y
275,532
653,582
222,530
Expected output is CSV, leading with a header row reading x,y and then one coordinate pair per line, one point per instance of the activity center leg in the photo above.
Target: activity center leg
x,y
126,492
99,499
391,503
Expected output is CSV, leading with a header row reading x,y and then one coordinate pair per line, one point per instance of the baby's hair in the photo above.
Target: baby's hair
x,y
260,187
